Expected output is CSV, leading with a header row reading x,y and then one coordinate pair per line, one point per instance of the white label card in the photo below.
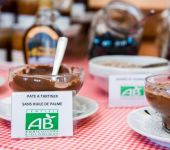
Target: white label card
x,y
127,90
42,114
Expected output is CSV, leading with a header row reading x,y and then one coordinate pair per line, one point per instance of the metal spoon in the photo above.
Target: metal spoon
x,y
154,65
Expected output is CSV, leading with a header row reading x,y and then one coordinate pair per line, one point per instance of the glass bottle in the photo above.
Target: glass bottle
x,y
40,40
116,30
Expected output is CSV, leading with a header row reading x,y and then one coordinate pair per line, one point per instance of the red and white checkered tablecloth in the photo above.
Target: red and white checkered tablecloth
x,y
106,130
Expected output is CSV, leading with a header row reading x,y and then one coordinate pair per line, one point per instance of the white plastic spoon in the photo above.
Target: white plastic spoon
x,y
60,51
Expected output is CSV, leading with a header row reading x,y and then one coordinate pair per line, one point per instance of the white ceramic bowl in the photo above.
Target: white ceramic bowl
x,y
102,72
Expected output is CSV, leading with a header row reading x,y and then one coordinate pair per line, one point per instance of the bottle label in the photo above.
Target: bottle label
x,y
41,43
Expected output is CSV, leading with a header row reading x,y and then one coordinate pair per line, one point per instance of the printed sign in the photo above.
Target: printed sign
x,y
127,90
40,121
42,114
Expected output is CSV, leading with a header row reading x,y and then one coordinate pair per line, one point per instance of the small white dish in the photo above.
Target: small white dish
x,y
149,125
101,72
90,104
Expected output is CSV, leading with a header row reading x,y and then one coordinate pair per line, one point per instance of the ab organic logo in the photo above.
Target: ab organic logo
x,y
41,123
130,91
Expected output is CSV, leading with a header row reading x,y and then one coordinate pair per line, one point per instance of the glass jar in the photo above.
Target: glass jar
x,y
163,35
116,30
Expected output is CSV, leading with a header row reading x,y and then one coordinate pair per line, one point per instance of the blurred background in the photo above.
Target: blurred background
x,y
77,20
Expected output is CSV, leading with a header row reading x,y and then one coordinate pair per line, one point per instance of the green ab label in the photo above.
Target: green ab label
x,y
132,91
42,120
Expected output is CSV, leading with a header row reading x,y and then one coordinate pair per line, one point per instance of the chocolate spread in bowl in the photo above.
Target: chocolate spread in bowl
x,y
38,78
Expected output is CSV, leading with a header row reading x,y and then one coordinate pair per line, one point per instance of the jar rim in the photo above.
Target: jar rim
x,y
122,6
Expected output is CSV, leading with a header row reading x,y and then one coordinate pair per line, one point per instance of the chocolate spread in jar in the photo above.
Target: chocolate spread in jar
x,y
159,98
38,78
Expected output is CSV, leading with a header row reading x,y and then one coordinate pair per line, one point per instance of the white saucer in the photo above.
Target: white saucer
x,y
90,104
148,125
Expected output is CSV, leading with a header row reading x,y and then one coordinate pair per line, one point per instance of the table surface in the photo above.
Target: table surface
x,y
106,130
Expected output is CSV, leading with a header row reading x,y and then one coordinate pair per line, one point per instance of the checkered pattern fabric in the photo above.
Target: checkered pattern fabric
x,y
106,130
